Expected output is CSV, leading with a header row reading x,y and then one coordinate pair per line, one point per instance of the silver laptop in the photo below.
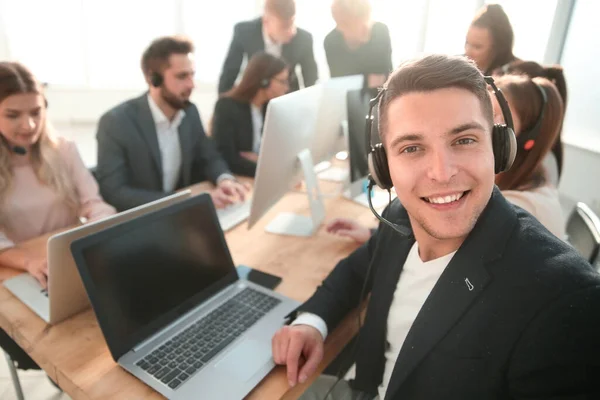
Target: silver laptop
x,y
171,306
65,295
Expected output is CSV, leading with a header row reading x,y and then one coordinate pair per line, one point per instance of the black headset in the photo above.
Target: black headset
x,y
526,140
156,79
504,142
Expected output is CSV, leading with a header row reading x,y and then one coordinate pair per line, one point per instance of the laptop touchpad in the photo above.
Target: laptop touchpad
x,y
246,359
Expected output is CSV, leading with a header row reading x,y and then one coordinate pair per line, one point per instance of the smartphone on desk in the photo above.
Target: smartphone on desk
x,y
260,278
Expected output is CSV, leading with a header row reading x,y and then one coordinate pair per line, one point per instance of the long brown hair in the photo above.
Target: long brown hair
x,y
493,18
526,102
261,68
555,74
46,159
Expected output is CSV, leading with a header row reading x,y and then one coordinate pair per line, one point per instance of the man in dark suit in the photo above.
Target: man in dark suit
x,y
155,144
470,296
358,45
276,33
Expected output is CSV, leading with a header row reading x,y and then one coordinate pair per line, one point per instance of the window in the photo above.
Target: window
x,y
117,32
50,46
531,21
447,25
405,21
211,29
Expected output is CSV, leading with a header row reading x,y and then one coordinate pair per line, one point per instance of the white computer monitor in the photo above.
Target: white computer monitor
x,y
301,130
333,113
285,157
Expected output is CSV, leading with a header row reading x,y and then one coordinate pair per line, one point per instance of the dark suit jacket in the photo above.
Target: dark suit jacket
x,y
129,167
233,132
248,39
373,57
528,328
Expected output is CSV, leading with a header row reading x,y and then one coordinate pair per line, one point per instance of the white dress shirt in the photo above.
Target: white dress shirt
x,y
170,148
416,282
168,143
257,125
271,47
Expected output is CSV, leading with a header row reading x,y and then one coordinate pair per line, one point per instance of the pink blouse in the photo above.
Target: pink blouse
x,y
32,209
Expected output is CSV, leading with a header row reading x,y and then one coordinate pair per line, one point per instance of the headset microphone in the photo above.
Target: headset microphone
x,y
19,150
402,230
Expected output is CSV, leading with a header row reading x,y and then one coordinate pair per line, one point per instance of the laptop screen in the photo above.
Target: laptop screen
x,y
145,273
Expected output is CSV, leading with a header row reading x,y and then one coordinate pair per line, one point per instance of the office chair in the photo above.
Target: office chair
x,y
14,376
583,232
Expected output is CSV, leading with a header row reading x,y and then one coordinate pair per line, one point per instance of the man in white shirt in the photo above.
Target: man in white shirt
x,y
275,32
470,297
153,145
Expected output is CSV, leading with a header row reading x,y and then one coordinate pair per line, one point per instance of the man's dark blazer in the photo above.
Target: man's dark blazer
x,y
233,132
525,326
129,169
248,39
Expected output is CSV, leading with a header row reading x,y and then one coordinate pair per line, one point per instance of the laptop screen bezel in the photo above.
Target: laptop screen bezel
x,y
117,346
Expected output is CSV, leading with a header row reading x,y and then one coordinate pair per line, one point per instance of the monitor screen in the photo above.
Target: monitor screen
x,y
147,272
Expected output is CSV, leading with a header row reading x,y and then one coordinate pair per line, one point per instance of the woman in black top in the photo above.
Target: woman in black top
x,y
358,45
490,39
239,113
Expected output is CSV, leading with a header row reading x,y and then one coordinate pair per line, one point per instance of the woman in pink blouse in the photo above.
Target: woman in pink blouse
x,y
44,185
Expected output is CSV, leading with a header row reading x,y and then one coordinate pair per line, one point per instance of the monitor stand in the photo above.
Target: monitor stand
x,y
300,225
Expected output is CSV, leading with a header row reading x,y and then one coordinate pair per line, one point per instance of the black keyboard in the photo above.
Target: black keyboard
x,y
187,352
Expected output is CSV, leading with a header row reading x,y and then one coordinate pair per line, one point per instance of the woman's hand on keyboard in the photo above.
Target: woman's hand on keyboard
x,y
38,268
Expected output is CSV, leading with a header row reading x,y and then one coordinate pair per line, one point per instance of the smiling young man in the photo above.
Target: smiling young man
x,y
155,144
480,301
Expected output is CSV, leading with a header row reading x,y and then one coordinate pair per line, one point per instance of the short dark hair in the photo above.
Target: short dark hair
x,y
493,18
284,9
434,72
156,56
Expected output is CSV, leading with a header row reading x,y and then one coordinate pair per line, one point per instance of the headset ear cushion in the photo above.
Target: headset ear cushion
x,y
378,167
504,144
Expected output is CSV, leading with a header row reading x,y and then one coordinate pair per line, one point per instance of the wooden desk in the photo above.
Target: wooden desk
x,y
75,355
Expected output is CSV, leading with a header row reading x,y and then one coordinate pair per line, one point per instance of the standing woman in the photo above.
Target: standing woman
x,y
239,114
44,185
490,39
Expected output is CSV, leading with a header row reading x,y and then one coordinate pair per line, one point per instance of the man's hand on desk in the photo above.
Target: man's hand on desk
x,y
38,267
349,228
229,191
293,343
249,155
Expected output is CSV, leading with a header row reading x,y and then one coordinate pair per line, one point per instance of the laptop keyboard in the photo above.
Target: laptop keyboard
x,y
187,352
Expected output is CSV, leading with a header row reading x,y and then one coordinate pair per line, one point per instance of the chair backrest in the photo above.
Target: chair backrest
x,y
583,230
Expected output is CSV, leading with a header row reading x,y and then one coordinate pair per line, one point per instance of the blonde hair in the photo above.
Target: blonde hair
x,y
47,161
351,8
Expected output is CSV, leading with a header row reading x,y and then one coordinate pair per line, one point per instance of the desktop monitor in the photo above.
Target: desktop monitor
x,y
329,138
301,129
358,110
285,153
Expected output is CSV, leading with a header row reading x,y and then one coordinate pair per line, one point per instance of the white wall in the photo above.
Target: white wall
x,y
581,133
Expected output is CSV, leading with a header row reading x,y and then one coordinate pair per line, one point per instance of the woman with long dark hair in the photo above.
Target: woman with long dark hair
x,y
239,114
490,39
